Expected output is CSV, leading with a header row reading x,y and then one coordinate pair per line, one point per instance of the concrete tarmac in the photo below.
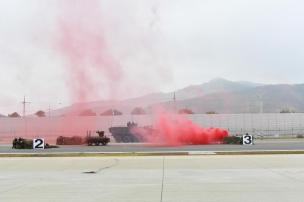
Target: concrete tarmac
x,y
269,178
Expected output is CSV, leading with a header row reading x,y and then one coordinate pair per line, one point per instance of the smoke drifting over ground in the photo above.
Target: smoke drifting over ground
x,y
91,69
171,129
89,65
106,53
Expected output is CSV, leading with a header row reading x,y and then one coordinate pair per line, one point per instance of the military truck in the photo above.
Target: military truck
x,y
75,140
101,139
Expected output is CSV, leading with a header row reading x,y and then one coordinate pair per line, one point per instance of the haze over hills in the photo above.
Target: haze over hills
x,y
218,95
214,86
267,99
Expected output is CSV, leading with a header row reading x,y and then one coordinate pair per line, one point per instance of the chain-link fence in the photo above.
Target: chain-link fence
x,y
52,127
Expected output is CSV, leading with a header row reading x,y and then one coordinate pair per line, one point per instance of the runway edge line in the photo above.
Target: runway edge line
x,y
127,154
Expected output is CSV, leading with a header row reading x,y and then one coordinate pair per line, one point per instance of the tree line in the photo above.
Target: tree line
x,y
109,112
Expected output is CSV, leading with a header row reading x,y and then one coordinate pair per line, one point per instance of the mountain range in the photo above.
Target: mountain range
x,y
218,95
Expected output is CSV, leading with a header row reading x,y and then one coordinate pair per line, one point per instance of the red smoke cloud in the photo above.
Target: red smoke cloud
x,y
90,68
173,130
92,72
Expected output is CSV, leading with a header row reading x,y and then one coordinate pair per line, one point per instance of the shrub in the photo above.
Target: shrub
x,y
14,115
138,111
40,113
87,112
232,140
111,112
185,111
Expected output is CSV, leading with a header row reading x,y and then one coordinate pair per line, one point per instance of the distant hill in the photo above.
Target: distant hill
x,y
218,95
126,106
1,115
268,98
218,85
214,86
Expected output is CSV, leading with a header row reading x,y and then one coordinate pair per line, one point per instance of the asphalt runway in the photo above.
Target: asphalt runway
x,y
254,178
260,145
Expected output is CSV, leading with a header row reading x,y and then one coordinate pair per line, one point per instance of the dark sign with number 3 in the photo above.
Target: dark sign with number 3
x,y
247,139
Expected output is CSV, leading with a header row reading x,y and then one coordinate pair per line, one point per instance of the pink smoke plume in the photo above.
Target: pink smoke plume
x,y
171,129
90,67
91,70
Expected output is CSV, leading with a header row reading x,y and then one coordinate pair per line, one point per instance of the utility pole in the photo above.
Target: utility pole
x,y
113,114
261,104
24,102
174,97
174,102
49,110
262,107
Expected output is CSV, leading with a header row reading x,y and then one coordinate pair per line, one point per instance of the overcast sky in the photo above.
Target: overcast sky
x,y
159,44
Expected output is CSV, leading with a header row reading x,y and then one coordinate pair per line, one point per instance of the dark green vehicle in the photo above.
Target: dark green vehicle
x,y
233,140
21,143
101,139
130,133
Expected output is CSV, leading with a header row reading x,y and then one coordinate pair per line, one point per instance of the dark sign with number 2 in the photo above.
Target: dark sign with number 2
x,y
38,143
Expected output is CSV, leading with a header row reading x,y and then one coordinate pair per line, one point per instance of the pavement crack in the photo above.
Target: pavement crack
x,y
115,163
19,186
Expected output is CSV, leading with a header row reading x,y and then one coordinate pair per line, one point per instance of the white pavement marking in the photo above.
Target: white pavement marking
x,y
271,178
201,153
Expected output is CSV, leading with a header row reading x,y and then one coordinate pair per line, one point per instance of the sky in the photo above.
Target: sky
x,y
147,46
